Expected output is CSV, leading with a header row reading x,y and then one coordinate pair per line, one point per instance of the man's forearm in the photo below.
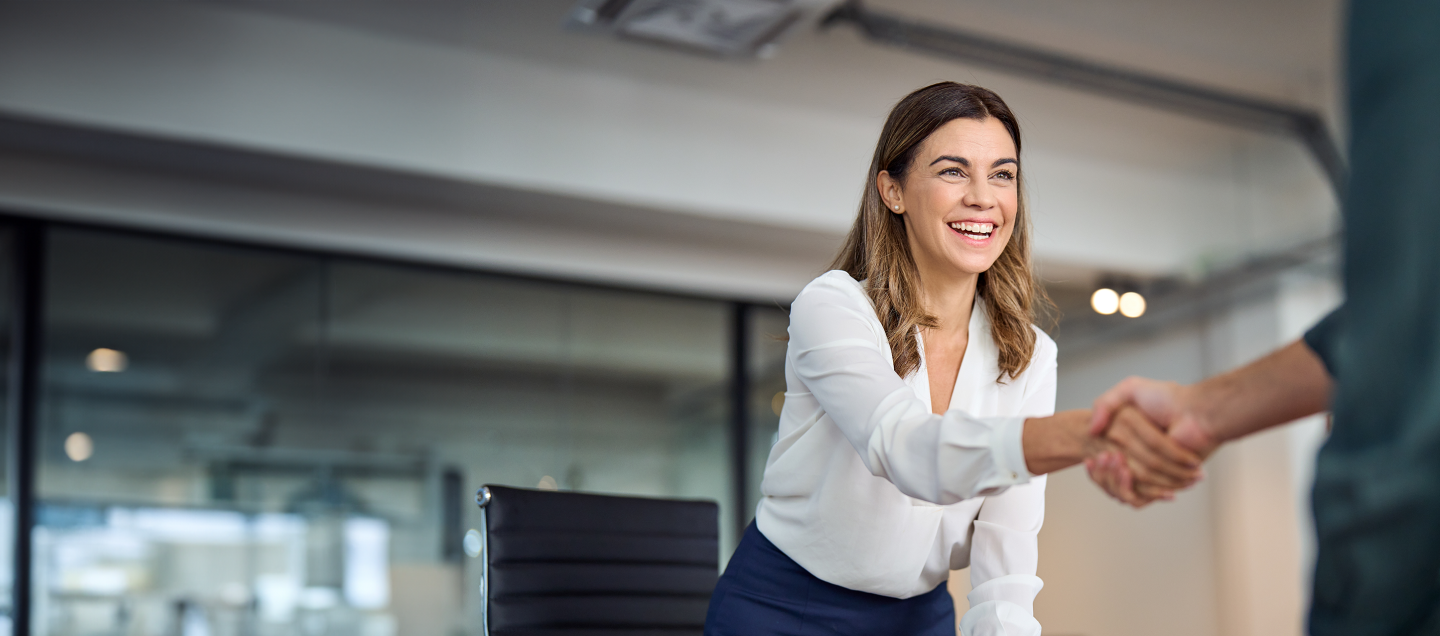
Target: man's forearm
x,y
1059,441
1283,386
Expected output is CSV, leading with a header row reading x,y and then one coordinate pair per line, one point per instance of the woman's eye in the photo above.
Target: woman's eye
x,y
951,172
1006,175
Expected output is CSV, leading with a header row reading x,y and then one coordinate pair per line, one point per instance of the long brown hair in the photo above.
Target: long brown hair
x,y
877,250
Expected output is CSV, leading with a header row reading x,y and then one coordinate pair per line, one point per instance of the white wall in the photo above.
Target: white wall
x,y
1231,556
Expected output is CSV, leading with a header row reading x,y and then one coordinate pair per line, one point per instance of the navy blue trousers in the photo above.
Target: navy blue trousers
x,y
765,593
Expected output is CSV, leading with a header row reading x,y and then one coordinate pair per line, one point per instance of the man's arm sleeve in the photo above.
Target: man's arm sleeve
x,y
1324,337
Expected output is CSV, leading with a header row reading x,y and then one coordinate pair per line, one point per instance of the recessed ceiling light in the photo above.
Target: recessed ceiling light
x,y
79,447
1132,305
474,545
1105,301
104,360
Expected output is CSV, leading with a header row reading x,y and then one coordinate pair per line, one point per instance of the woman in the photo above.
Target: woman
x,y
904,451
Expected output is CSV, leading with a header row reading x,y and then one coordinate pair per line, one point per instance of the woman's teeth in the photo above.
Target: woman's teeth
x,y
977,231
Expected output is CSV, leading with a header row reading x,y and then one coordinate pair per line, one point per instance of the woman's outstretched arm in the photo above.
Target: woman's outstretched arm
x,y
839,351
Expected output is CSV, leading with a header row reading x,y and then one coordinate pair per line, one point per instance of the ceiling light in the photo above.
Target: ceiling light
x,y
473,543
104,360
1105,301
1132,305
728,28
79,447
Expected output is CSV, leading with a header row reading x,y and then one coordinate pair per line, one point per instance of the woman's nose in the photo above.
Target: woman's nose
x,y
979,196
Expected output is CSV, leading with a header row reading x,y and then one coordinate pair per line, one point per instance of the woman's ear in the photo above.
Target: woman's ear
x,y
889,190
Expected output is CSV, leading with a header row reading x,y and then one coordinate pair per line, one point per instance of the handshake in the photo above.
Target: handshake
x,y
1147,438
1150,438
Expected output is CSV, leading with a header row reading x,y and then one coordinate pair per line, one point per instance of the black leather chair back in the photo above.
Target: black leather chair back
x,y
572,564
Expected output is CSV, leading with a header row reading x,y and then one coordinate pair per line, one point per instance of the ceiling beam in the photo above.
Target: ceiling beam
x,y
1157,91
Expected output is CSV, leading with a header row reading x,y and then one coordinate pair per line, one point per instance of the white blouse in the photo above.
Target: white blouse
x,y
867,489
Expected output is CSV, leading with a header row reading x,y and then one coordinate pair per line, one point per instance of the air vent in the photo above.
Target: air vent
x,y
725,28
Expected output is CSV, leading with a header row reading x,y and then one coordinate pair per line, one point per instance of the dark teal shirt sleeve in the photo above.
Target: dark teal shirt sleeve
x,y
1323,336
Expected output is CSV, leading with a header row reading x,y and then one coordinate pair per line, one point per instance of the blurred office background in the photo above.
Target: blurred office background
x,y
310,273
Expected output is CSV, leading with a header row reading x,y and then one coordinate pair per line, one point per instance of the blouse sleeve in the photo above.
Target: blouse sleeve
x,y
1004,549
838,351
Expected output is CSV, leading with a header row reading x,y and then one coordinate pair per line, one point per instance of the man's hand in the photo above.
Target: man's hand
x,y
1132,416
1289,383
1142,462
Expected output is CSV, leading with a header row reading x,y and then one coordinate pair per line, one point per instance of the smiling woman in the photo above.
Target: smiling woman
x,y
916,424
952,156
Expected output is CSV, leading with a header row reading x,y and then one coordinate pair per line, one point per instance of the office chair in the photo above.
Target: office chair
x,y
573,564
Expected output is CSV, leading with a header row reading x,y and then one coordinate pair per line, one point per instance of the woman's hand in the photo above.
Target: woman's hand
x,y
1146,462
1135,461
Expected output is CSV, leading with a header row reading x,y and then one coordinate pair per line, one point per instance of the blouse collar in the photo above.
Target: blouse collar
x,y
978,368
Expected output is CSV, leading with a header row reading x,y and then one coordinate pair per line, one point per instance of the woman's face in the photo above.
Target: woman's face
x,y
959,197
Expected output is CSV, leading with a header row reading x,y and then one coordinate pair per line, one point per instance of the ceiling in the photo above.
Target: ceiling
x,y
1281,49
667,150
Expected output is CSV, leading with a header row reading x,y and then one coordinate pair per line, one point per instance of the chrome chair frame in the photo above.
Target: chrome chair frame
x,y
482,499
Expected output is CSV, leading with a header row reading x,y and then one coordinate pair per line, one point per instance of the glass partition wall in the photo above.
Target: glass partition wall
x,y
7,495
767,337
238,440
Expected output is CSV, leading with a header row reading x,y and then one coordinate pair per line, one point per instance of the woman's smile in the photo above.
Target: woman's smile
x,y
977,233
